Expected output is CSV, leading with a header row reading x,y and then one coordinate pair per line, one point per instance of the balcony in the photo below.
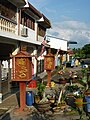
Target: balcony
x,y
7,25
10,27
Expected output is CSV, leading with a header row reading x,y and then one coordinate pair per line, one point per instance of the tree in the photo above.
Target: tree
x,y
83,52
86,50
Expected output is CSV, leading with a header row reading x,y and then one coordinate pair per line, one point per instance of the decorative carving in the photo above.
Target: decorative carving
x,y
22,70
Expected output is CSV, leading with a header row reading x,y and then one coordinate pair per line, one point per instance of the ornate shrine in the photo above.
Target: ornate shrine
x,y
49,64
22,72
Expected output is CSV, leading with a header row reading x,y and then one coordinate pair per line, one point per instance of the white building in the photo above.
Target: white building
x,y
21,24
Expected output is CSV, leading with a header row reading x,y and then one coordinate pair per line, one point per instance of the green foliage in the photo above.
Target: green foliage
x,y
83,52
84,71
72,88
41,88
81,95
86,49
80,81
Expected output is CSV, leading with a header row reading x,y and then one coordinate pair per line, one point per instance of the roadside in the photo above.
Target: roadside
x,y
12,102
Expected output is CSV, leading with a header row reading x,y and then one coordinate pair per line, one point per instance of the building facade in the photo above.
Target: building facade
x,y
20,25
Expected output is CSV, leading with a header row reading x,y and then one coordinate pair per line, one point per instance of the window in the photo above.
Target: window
x,y
27,21
41,31
8,10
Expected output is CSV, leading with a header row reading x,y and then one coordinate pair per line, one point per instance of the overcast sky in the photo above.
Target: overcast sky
x,y
70,19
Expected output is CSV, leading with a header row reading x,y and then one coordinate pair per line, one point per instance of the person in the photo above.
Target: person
x,y
76,62
72,62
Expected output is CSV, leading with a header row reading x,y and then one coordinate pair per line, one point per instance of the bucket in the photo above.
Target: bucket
x,y
0,97
87,99
29,98
79,102
70,100
32,84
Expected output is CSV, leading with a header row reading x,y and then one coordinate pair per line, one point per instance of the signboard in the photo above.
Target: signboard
x,y
21,67
49,61
57,43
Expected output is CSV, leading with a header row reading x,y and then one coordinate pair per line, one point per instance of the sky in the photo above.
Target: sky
x,y
70,19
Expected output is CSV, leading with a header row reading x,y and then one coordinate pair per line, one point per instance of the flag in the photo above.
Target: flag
x,y
58,51
43,46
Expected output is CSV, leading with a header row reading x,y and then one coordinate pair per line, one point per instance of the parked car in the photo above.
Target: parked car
x,y
85,63
68,64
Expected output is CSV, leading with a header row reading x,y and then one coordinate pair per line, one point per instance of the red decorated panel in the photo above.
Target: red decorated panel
x,y
49,63
21,68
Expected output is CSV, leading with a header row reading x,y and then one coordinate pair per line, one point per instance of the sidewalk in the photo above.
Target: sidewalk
x,y
11,102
